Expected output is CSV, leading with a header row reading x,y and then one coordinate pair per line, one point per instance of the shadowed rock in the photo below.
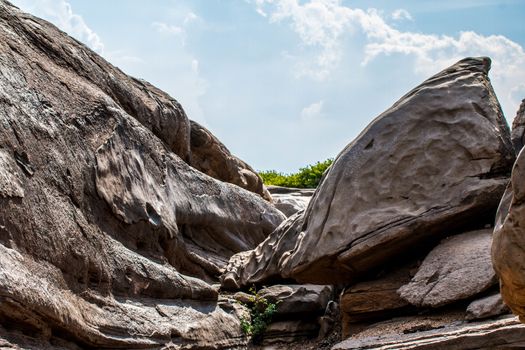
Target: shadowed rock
x,y
436,162
518,128
101,213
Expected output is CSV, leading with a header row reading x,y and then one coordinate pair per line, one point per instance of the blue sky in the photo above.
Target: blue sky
x,y
285,83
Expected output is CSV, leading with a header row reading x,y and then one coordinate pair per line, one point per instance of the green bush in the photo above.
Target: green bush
x,y
261,313
307,177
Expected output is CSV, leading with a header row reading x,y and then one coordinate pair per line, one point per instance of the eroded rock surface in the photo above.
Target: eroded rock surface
x,y
104,224
509,240
210,156
436,162
458,268
486,307
518,128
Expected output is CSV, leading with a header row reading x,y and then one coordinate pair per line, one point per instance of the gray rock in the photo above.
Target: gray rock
x,y
518,128
506,333
293,299
105,225
290,331
490,306
290,200
458,268
437,161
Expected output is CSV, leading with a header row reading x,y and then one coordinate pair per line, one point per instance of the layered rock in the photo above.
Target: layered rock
x,y
101,211
487,307
518,128
458,268
436,162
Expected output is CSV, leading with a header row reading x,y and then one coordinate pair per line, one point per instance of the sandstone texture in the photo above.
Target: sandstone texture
x,y
506,333
486,307
458,268
509,240
305,299
436,162
290,200
108,229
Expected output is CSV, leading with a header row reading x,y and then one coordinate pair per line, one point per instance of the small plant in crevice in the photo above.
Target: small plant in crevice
x,y
261,313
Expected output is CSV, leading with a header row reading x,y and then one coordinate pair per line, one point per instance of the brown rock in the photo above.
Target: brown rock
x,y
509,241
506,333
101,213
389,189
211,157
486,307
458,268
308,299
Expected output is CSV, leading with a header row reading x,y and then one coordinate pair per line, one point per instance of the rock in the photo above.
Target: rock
x,y
290,200
388,190
518,128
506,333
211,157
375,298
105,226
509,241
486,307
306,299
290,331
458,268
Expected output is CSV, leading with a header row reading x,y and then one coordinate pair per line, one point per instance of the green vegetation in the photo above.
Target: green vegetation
x,y
261,313
307,177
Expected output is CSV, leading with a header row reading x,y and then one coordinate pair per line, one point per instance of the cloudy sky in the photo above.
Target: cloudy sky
x,y
285,83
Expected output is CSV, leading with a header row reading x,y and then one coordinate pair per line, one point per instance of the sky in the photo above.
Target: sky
x,y
287,83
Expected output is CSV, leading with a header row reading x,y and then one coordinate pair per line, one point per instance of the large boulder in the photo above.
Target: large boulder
x,y
509,240
458,268
290,200
104,224
436,162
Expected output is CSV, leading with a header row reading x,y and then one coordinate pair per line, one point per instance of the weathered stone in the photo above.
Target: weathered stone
x,y
506,333
101,212
518,128
211,157
290,331
458,268
390,189
290,200
486,307
509,241
306,299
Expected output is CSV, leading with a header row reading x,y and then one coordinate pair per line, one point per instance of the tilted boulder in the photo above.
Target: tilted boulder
x,y
518,128
101,213
458,268
436,162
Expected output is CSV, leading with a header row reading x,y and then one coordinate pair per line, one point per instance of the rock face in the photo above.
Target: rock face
x,y
290,200
305,299
104,224
390,189
458,268
518,128
211,157
506,333
509,240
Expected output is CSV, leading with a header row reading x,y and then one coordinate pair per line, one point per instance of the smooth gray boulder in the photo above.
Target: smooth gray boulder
x,y
458,268
306,299
105,226
436,162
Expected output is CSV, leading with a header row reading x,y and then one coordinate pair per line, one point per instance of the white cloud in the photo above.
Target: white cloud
x,y
171,29
401,14
312,112
61,14
323,24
